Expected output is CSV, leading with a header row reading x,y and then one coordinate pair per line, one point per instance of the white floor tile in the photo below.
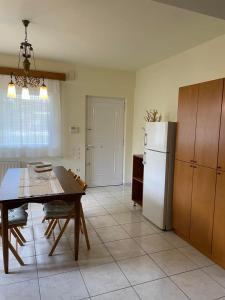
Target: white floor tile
x,y
124,249
97,255
58,263
198,285
104,278
162,289
153,243
64,286
173,262
102,221
124,294
217,273
25,290
140,269
112,233
125,218
139,229
196,256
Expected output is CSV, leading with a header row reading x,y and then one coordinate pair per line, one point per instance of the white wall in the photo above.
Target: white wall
x,y
88,81
157,85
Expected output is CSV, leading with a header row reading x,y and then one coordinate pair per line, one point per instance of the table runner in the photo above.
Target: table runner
x,y
37,184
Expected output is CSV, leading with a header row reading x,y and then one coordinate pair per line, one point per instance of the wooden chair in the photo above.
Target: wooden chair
x,y
17,218
57,210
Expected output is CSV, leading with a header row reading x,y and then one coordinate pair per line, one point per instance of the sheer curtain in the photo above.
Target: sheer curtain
x,y
30,128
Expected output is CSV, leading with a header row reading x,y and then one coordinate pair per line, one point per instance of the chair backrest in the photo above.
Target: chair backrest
x,y
73,174
82,183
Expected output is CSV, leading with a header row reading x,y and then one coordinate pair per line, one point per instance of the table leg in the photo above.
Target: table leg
x,y
5,241
76,228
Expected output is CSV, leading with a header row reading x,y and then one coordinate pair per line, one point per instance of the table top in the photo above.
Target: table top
x,y
9,189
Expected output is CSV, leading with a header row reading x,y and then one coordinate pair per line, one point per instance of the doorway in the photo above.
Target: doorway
x,y
104,141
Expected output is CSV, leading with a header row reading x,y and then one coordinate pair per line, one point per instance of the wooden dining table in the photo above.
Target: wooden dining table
x,y
10,198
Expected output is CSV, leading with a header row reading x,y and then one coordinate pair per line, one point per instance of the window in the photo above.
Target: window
x,y
30,128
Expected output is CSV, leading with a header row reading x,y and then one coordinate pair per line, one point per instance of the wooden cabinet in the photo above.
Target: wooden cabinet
x,y
183,175
137,180
221,157
208,123
186,124
218,244
202,209
199,180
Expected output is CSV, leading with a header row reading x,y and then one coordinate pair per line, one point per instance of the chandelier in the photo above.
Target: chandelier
x,y
25,79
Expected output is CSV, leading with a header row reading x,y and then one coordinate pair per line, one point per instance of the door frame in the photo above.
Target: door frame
x,y
123,100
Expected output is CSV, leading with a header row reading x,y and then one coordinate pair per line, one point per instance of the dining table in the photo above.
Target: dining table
x,y
10,197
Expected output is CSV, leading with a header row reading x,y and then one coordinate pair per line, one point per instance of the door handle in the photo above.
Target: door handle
x,y
90,147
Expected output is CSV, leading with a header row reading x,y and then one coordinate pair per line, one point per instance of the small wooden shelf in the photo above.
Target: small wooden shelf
x,y
137,180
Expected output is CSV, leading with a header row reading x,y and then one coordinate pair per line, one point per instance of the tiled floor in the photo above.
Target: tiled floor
x,y
129,259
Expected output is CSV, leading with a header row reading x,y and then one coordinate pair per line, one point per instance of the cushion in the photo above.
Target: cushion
x,y
57,208
17,216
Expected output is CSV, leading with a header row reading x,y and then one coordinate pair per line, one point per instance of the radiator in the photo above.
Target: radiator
x,y
5,165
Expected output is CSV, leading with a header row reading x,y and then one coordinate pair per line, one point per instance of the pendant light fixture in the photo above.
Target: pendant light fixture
x,y
26,80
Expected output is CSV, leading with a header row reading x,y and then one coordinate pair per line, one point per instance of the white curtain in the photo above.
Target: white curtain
x,y
30,128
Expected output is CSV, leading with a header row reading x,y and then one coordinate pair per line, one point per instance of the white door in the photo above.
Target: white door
x,y
154,187
104,141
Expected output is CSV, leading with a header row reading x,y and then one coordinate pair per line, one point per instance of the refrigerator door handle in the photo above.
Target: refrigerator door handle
x,y
145,139
144,158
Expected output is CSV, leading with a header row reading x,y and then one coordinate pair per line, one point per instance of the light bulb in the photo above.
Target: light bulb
x,y
25,93
11,93
43,92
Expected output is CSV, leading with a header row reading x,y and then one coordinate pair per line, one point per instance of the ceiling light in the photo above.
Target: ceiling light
x,y
26,79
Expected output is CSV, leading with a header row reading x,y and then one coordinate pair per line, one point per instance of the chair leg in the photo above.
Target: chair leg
x,y
14,252
84,227
49,226
20,234
14,233
18,258
51,229
59,236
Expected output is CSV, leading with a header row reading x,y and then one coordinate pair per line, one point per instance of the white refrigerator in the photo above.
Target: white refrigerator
x,y
159,151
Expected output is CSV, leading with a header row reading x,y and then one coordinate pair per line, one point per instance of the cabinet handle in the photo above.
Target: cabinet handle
x,y
193,161
191,166
194,167
218,173
218,167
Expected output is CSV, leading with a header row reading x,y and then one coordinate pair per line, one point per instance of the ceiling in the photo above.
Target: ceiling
x,y
120,34
215,8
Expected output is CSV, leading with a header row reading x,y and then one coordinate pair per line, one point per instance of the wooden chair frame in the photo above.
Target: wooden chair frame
x,y
54,221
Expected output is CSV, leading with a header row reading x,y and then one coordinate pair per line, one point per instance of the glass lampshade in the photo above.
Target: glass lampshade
x,y
11,93
25,93
43,92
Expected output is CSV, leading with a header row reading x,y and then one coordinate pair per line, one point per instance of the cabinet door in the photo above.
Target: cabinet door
x,y
221,158
218,246
202,209
182,198
186,122
208,123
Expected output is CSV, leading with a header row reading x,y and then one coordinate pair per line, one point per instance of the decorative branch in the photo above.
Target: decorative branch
x,y
152,115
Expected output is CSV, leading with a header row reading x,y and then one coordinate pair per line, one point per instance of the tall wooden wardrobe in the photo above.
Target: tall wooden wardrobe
x,y
199,180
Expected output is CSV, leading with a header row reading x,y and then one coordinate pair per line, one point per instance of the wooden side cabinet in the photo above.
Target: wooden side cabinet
x,y
137,180
218,244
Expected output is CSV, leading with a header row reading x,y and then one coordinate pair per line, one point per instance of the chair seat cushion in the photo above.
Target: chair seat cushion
x,y
17,216
57,208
